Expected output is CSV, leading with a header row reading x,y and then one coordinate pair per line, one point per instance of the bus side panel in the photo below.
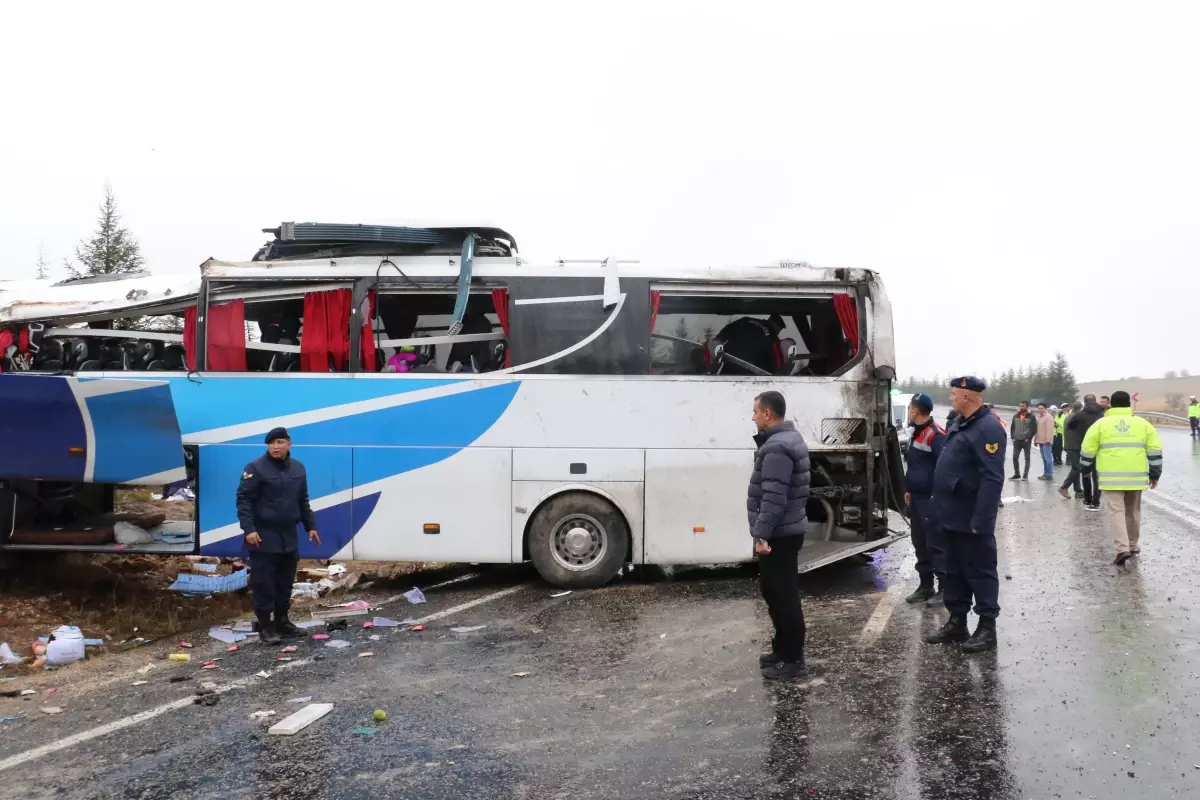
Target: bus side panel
x,y
696,506
329,489
465,492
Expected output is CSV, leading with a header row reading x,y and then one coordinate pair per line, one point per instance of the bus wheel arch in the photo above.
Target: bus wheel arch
x,y
578,537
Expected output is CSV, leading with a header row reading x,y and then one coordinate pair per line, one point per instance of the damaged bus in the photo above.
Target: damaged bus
x,y
450,400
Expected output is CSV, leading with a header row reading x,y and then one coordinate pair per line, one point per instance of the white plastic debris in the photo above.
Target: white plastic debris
x,y
65,646
1016,499
415,596
25,692
304,699
561,594
7,656
128,533
384,622
305,591
139,683
468,629
336,569
375,637
262,674
261,715
226,635
337,644
52,709
145,669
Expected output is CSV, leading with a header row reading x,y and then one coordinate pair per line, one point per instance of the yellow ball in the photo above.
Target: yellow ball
x,y
380,715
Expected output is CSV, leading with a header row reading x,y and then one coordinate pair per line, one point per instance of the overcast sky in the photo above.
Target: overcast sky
x,y
1024,175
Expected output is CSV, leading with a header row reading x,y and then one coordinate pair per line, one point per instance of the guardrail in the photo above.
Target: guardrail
x,y
1173,419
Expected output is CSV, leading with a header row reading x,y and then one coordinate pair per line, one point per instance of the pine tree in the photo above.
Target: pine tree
x,y
43,269
111,249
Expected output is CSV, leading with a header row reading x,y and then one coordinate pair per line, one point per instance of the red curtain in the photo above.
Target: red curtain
x,y
325,339
655,302
368,335
500,301
847,313
189,336
225,337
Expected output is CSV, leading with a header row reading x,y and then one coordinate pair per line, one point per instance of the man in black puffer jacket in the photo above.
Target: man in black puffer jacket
x,y
775,505
1077,428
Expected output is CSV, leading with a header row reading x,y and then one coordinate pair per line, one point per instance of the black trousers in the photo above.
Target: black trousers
x,y
1072,480
1091,489
1057,449
779,574
1195,423
927,540
971,572
271,577
1018,448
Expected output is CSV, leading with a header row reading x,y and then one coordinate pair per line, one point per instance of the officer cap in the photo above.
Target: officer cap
x,y
923,402
968,382
277,433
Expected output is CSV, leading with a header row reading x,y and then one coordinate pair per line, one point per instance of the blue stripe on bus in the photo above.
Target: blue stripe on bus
x,y
336,526
135,434
41,421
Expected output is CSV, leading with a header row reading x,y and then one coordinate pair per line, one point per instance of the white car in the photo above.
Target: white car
x,y
900,420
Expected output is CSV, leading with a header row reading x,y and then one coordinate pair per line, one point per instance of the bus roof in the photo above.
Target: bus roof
x,y
28,301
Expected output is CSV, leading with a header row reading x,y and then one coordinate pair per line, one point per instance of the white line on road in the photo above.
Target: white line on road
x,y
1165,509
887,604
1157,495
183,702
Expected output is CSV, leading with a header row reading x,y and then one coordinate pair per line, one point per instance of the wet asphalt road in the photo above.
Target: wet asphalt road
x,y
651,689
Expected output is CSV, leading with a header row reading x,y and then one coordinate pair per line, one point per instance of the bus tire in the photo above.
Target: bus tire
x,y
578,541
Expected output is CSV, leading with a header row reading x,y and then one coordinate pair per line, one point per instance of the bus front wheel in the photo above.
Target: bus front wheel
x,y
578,541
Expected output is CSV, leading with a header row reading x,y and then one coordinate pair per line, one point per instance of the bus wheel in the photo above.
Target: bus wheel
x,y
578,541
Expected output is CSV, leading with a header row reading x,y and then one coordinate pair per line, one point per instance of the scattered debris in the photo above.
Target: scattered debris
x,y
363,731
307,698
300,720
380,715
50,691
354,605
178,678
310,623
519,675
415,596
320,636
561,594
470,629
65,646
179,657
261,715
209,665
367,654
211,685
211,569
417,628
338,615
291,648
225,634
244,626
337,644
10,719
662,636
306,591
231,649
262,674
7,656
368,625
207,700
187,583
25,692
336,569
185,645
52,709
384,622
145,669
283,658
375,637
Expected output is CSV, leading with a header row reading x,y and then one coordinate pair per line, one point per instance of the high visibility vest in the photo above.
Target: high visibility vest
x,y
1194,410
1059,422
1125,449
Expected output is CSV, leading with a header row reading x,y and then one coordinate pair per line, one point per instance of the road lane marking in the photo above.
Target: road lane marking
x,y
183,702
1165,509
1157,495
886,605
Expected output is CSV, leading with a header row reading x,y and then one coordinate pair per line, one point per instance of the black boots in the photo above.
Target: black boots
x,y
923,592
267,634
936,600
784,670
285,627
984,637
955,630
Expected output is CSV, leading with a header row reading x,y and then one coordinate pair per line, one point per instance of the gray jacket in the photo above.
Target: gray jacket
x,y
1023,430
778,493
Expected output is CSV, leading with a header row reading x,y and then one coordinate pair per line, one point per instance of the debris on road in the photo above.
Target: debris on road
x,y
367,654
261,715
207,700
417,628
561,594
307,698
188,583
337,644
384,622
283,658
210,569
470,629
179,657
231,649
291,648
25,692
338,615
7,656
139,683
52,709
380,715
375,637
177,678
310,624
262,674
145,669
185,645
10,719
65,646
317,637
415,596
211,685
519,675
354,605
50,691
300,720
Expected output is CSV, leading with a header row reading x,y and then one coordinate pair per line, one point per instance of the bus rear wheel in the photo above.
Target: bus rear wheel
x,y
578,541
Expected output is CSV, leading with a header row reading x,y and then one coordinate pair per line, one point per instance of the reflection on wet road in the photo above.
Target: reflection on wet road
x,y
651,689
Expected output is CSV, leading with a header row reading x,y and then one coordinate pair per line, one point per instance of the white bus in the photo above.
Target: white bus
x,y
450,400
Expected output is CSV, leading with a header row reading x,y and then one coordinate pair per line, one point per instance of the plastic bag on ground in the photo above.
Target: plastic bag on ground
x,y
415,596
128,533
7,656
65,646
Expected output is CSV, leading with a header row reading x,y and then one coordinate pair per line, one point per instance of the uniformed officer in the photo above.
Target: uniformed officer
x,y
272,499
967,484
928,439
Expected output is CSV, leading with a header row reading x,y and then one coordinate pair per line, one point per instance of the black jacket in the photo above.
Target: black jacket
x,y
969,476
272,498
778,494
1078,424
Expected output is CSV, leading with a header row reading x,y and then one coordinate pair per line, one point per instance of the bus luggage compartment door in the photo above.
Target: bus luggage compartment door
x,y
696,506
61,428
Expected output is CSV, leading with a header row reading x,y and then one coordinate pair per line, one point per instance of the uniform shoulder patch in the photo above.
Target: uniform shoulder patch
x,y
247,476
992,448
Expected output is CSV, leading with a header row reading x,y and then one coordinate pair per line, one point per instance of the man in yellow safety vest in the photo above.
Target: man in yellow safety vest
x,y
1126,454
1194,416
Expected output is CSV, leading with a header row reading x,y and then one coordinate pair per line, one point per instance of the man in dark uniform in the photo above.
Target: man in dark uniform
x,y
967,484
928,439
272,499
754,341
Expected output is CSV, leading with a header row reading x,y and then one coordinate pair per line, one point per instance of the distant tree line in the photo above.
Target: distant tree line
x,y
1052,383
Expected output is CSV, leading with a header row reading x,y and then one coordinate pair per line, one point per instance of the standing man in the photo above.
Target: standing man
x,y
775,505
1126,454
1077,428
272,499
1060,419
1043,437
1072,442
1104,402
1023,428
967,483
926,444
1194,416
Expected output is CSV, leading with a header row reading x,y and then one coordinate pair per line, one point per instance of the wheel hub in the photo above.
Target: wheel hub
x,y
579,542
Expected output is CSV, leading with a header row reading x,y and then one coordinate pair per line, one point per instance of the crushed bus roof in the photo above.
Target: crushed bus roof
x,y
28,301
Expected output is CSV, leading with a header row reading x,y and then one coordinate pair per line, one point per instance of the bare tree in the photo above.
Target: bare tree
x,y
43,269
